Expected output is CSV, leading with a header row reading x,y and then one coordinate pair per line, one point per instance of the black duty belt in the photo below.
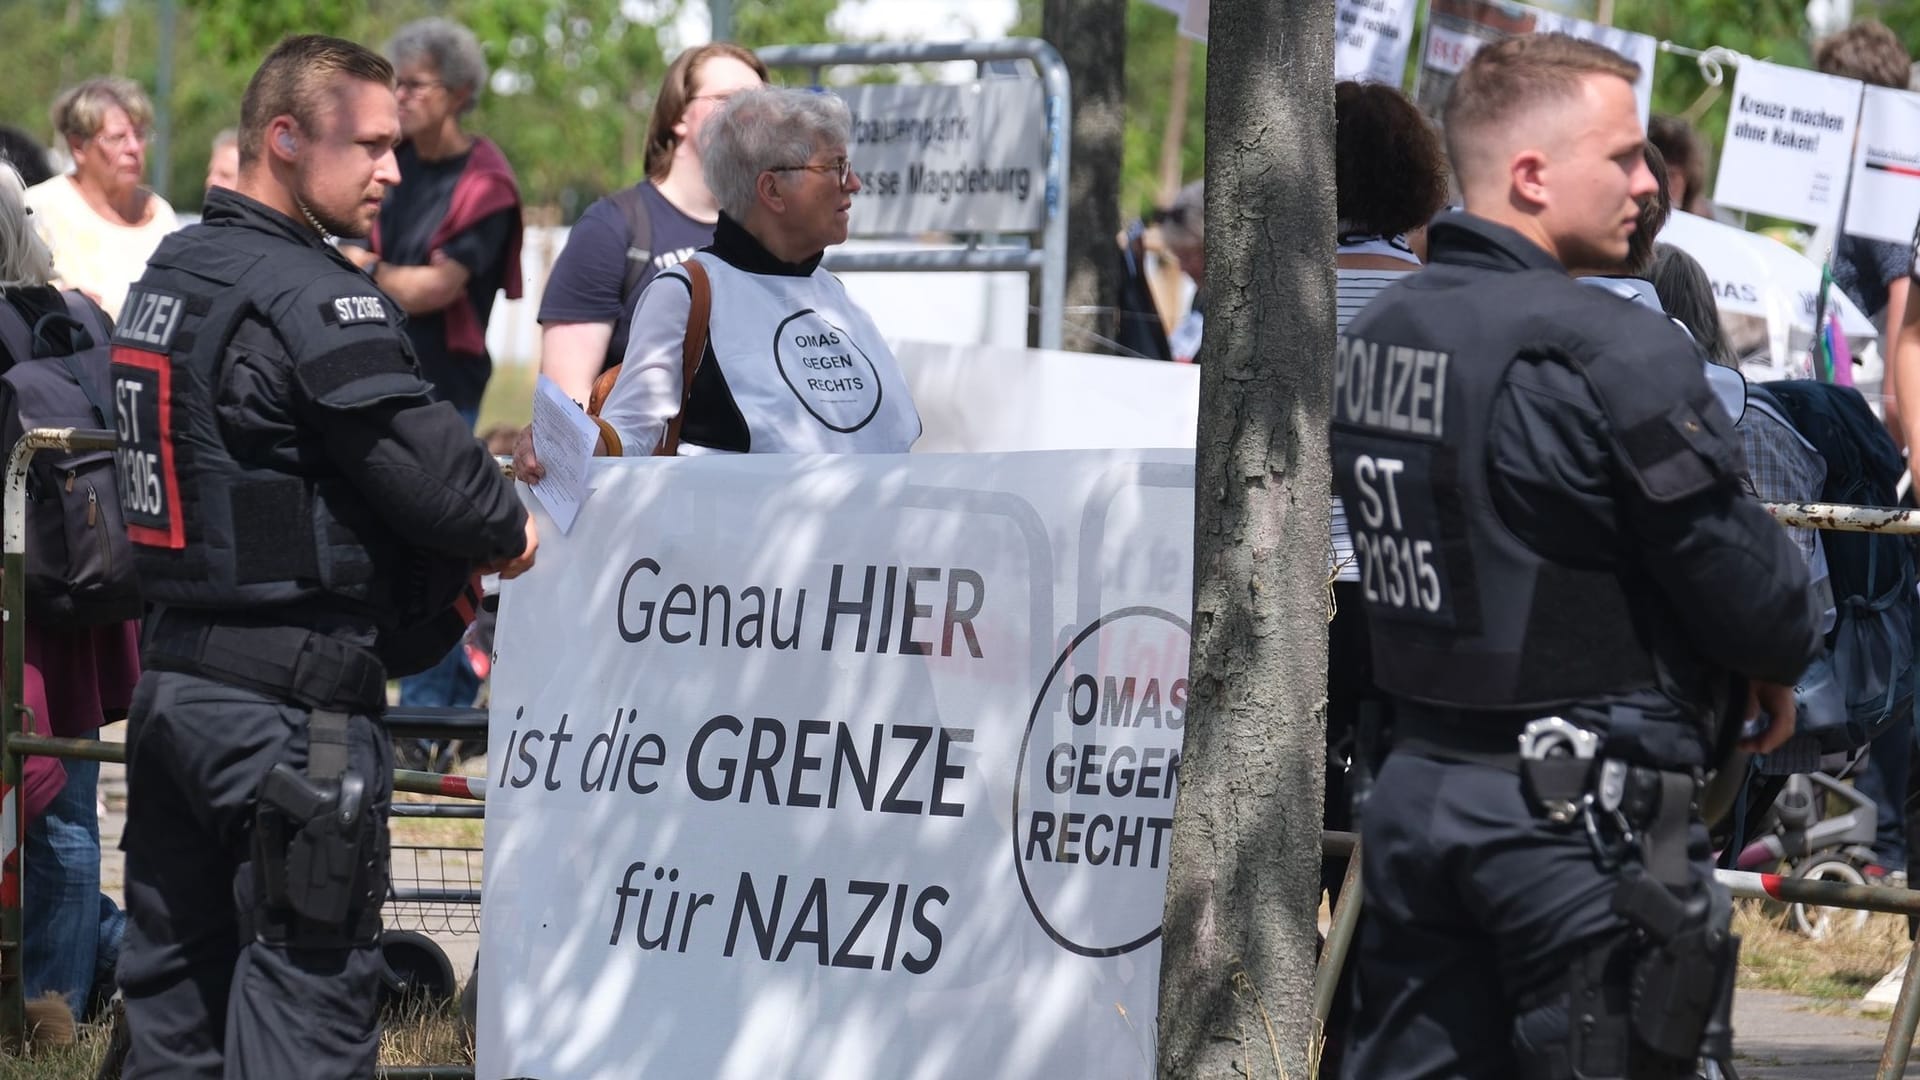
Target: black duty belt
x,y
299,666
1483,738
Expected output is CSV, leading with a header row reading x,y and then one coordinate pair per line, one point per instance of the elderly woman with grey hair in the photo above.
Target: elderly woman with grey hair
x,y
448,236
791,363
77,678
101,223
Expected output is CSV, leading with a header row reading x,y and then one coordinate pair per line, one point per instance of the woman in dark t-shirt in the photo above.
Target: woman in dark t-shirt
x,y
587,308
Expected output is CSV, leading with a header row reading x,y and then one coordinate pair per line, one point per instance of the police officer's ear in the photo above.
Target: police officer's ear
x,y
281,140
1526,172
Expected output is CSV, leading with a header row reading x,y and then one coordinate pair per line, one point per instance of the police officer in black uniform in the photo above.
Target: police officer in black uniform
x,y
1568,592
304,518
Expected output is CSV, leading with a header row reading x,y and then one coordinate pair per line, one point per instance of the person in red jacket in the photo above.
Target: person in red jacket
x,y
447,240
448,236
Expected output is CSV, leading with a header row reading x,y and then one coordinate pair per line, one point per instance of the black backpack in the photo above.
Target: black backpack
x,y
1872,641
79,560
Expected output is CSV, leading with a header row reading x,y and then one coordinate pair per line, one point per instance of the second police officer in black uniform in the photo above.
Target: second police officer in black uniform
x,y
304,516
1568,593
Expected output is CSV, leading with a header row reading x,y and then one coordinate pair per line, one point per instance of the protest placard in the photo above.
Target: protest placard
x,y
1789,141
1884,200
1371,39
969,157
848,767
1456,29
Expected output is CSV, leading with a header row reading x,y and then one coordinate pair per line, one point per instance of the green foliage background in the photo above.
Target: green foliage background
x,y
582,73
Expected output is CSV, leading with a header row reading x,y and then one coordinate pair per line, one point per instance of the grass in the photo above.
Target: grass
x,y
424,1035
509,397
1838,969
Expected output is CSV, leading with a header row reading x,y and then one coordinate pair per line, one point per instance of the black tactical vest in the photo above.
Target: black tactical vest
x,y
211,530
1462,613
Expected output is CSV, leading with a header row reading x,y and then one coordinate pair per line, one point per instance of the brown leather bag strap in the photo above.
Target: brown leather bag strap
x,y
692,348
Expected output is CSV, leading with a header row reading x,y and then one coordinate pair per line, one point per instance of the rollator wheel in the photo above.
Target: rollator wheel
x,y
418,971
1820,923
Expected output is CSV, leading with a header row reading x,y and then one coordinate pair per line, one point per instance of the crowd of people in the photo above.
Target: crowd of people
x,y
321,507
1579,526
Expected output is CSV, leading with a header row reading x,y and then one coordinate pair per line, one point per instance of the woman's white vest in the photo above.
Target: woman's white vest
x,y
806,368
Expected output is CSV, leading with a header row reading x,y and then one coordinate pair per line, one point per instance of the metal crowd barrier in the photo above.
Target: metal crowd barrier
x,y
21,741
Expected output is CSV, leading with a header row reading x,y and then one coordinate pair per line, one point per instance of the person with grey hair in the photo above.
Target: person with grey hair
x,y
99,220
447,240
449,234
79,677
791,364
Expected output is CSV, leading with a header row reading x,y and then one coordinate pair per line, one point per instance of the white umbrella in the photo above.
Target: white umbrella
x,y
1758,275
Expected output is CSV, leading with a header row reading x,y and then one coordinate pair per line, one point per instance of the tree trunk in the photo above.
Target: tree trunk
x,y
1091,36
1239,946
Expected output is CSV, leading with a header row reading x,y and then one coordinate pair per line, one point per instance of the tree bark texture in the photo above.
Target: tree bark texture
x,y
1242,890
1091,36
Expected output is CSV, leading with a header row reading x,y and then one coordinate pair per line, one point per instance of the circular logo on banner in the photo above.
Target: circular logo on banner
x,y
1099,769
833,379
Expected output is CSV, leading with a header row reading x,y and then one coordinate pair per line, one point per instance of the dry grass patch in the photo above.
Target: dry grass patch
x,y
1839,968
425,1035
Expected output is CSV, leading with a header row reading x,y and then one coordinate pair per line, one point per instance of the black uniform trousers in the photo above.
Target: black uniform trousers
x,y
204,998
1476,911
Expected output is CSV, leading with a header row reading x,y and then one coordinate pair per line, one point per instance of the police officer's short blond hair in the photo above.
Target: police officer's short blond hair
x,y
293,81
1509,79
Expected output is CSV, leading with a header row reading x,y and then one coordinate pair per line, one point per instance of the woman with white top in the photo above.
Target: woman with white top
x,y
100,221
791,364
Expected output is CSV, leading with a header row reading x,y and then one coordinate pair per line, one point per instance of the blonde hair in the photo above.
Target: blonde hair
x,y
1510,79
81,111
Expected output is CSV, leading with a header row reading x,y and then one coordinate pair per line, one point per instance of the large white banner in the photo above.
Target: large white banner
x,y
1884,201
1789,141
969,157
1371,39
987,400
858,768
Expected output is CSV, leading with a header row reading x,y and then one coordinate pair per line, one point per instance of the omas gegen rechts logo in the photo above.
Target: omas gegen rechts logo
x,y
827,371
1099,769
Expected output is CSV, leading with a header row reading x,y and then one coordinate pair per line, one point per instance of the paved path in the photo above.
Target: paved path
x,y
1780,1037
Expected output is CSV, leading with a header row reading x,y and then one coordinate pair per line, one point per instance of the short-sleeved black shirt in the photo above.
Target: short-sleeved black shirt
x,y
409,216
586,280
1863,269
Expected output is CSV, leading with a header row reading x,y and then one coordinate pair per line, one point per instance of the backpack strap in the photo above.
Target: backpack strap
x,y
693,347
633,208
91,318
15,335
89,332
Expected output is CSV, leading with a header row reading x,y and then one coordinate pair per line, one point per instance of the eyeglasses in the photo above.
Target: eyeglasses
x,y
119,139
841,166
416,86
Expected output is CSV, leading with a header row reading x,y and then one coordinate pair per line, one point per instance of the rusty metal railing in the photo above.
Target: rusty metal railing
x,y
20,740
